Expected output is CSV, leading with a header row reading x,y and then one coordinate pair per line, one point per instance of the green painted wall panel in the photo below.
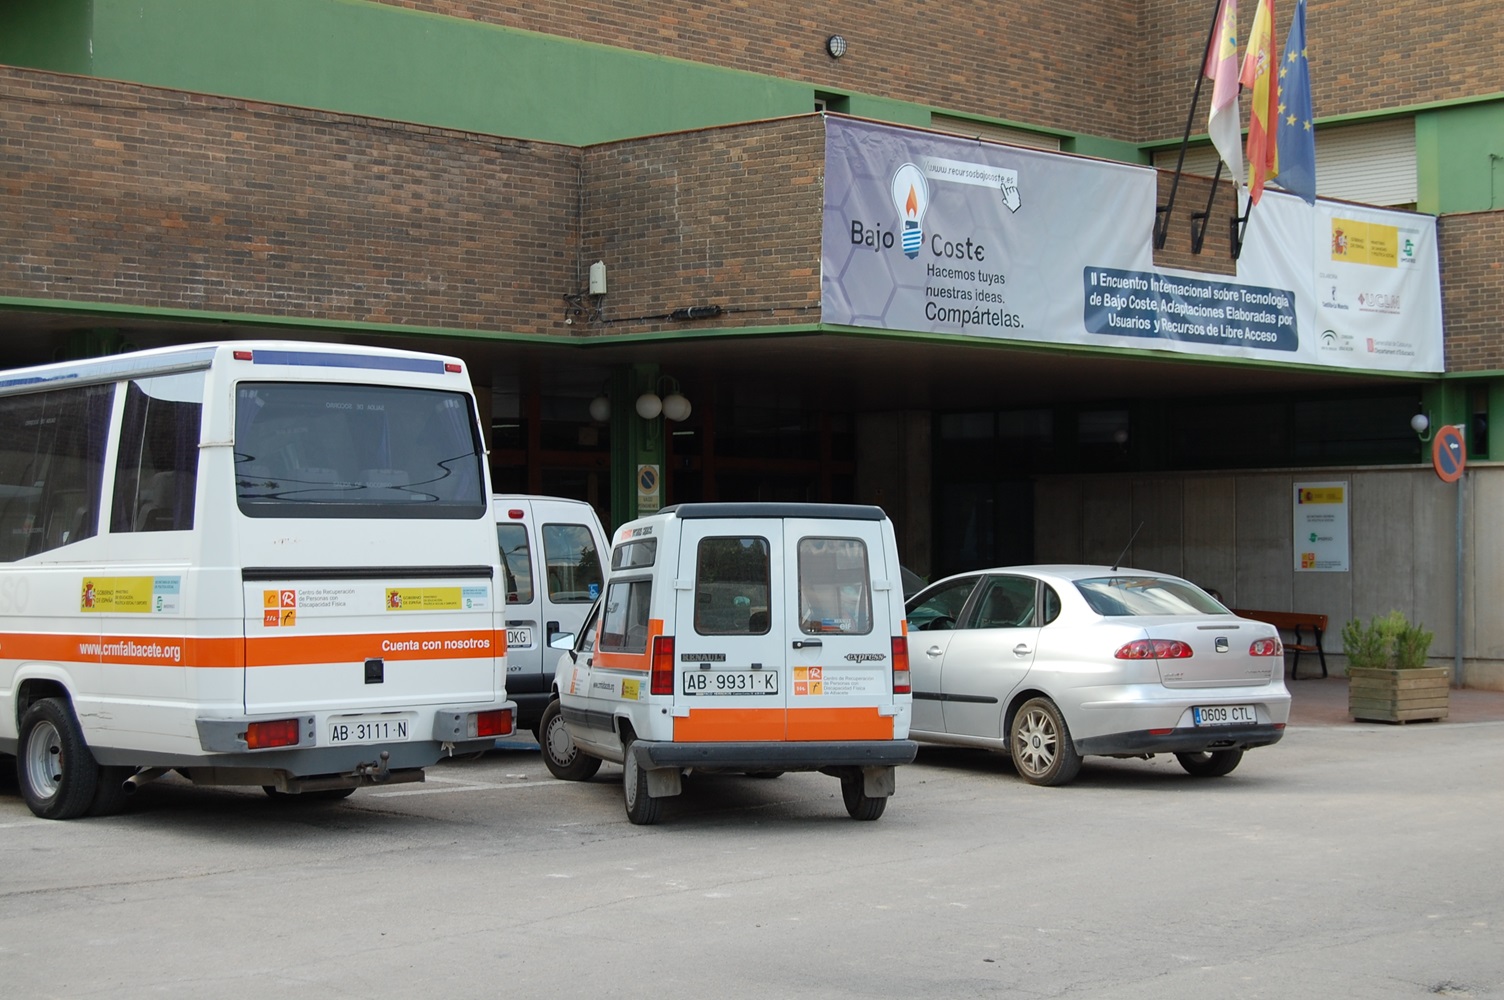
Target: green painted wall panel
x,y
46,34
386,62
1460,158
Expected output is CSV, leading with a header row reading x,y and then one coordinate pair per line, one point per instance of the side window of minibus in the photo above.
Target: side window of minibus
x,y
52,447
156,474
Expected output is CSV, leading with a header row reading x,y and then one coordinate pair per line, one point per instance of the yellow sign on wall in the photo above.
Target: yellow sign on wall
x,y
1355,242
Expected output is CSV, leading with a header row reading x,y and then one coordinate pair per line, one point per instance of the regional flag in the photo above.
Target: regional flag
x,y
1222,69
1258,69
1296,135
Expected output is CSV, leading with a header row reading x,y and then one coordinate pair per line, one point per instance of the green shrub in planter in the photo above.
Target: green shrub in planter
x,y
1388,642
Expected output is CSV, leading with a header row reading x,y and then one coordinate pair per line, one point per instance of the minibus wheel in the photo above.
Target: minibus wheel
x,y
57,773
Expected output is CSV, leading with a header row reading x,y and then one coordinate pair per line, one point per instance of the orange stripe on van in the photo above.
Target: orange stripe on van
x,y
639,662
730,725
807,724
270,651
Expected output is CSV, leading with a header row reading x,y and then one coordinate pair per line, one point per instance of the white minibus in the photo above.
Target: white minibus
x,y
249,563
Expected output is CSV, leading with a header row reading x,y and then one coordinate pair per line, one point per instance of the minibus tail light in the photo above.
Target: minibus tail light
x,y
242,355
900,665
264,735
663,665
493,723
451,366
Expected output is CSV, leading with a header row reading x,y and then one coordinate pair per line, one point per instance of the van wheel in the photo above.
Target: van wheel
x,y
57,773
562,758
1040,742
110,796
860,805
642,808
1210,763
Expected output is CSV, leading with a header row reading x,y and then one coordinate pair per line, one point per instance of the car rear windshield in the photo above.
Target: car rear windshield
x,y
1124,596
305,449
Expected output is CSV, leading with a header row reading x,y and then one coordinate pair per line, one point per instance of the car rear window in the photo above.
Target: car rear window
x,y
1127,596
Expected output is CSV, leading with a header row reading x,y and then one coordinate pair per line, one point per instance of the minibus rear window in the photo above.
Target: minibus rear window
x,y
305,449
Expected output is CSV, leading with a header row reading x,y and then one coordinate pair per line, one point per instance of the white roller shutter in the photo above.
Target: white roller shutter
x,y
997,133
1372,163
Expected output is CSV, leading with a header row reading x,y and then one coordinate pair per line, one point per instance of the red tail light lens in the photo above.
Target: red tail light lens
x,y
263,735
1153,649
663,665
900,665
1266,647
497,723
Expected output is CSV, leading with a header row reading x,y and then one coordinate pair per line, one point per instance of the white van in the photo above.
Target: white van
x,y
254,564
551,551
744,637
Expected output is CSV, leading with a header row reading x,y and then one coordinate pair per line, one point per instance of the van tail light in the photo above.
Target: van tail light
x,y
264,735
1266,647
900,665
662,681
1153,649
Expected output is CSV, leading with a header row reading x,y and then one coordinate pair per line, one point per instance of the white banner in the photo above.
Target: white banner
x,y
941,234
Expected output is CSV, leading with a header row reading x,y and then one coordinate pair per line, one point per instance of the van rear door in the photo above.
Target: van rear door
x,y
730,641
839,595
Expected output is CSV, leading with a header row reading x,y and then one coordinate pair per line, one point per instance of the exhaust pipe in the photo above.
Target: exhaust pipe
x,y
141,777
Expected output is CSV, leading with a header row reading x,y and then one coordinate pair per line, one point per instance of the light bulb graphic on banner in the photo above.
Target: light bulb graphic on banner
x,y
911,197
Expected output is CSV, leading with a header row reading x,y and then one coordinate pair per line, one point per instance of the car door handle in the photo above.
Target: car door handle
x,y
807,643
1022,649
933,651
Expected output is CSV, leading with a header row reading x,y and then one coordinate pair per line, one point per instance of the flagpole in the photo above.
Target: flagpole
x,y
1162,212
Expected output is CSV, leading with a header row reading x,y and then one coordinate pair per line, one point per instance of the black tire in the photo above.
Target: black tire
x,y
1210,763
307,798
57,773
642,808
563,759
1040,742
110,796
860,805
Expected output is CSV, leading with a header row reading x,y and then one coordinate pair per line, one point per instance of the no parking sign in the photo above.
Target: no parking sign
x,y
1449,453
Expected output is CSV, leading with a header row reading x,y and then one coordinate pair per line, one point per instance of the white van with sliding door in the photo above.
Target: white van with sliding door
x,y
253,564
551,552
754,638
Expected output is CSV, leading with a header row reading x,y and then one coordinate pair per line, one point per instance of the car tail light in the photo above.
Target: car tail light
x,y
900,665
1153,649
1266,647
495,723
663,665
262,735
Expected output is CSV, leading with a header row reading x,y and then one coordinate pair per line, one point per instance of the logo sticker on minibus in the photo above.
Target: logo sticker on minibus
x,y
144,595
437,598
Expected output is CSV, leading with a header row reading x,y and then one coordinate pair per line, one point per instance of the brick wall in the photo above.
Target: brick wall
x,y
1123,70
1472,290
164,200
728,217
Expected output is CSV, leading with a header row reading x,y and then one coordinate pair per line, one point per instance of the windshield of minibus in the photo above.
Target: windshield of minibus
x,y
305,449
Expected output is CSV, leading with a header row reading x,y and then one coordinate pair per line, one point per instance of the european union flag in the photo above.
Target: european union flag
x,y
1296,134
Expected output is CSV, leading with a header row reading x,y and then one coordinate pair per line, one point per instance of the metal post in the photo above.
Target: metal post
x,y
1457,621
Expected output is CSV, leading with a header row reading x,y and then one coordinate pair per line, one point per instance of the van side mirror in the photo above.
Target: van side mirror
x,y
561,640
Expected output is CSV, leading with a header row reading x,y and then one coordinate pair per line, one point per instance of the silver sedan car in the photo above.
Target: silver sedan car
x,y
1054,663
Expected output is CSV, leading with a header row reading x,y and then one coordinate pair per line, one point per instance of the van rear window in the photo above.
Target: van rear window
x,y
835,591
731,586
307,449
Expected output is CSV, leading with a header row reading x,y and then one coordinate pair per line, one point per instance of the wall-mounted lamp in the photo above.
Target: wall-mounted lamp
x,y
1421,425
673,406
600,408
835,46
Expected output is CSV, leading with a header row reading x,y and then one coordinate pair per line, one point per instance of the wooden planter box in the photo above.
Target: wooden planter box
x,y
1381,695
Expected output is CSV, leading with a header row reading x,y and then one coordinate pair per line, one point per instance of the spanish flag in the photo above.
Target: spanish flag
x,y
1258,76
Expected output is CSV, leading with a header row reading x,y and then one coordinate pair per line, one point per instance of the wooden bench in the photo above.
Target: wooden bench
x,y
1296,622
